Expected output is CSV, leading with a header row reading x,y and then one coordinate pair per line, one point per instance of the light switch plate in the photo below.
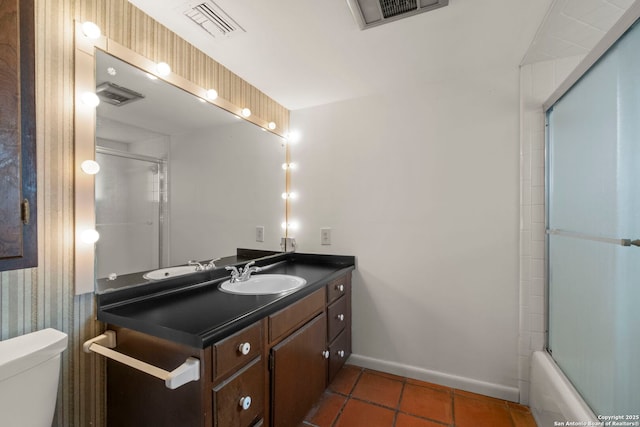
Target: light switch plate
x,y
325,236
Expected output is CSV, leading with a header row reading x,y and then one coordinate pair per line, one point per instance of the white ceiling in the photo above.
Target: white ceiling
x,y
574,27
304,53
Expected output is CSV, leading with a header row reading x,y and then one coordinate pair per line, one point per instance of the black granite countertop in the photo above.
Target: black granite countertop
x,y
192,310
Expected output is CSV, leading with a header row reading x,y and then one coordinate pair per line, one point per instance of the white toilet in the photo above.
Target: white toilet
x,y
29,374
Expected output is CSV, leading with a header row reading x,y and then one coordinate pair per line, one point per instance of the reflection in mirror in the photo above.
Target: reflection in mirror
x,y
180,179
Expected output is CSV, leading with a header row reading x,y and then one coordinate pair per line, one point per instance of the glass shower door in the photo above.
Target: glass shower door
x,y
128,214
593,221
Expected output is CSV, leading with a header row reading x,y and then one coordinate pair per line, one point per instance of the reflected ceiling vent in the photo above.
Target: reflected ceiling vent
x,y
116,95
369,13
213,20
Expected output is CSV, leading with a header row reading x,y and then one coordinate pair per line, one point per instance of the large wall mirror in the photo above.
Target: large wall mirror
x,y
180,178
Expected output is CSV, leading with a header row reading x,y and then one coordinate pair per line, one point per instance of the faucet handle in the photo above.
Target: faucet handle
x,y
211,264
235,274
199,267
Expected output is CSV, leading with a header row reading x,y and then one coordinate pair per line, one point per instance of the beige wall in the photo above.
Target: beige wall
x,y
43,297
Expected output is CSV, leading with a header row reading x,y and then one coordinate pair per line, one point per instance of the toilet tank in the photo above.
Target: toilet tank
x,y
29,374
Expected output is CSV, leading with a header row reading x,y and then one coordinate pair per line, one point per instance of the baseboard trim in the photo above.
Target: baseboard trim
x,y
454,381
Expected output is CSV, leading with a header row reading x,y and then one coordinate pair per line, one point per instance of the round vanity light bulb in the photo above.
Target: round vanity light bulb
x,y
90,167
246,112
285,195
271,125
163,69
212,94
294,136
89,236
289,195
91,30
90,99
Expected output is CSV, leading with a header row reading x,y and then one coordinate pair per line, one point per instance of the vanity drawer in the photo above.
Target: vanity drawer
x,y
230,396
236,350
338,287
337,318
290,318
339,352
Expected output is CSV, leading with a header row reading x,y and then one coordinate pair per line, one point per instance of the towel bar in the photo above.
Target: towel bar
x,y
188,371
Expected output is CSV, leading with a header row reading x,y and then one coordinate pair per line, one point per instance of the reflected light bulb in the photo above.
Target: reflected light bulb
x,y
151,76
291,166
90,99
294,136
89,236
271,125
90,167
163,69
212,94
91,30
246,112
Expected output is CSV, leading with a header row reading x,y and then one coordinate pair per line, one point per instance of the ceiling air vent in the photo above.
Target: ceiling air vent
x,y
369,13
213,20
116,95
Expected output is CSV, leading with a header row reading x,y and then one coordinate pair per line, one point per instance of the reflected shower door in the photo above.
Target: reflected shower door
x,y
593,223
128,213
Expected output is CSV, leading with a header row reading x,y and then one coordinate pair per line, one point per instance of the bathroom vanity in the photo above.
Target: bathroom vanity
x,y
264,359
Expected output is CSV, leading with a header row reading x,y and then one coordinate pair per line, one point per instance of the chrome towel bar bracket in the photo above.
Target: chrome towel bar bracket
x,y
187,372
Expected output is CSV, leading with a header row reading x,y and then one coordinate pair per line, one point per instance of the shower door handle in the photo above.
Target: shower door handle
x,y
575,235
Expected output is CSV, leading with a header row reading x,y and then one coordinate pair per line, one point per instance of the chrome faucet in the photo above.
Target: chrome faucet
x,y
235,274
199,267
242,274
211,264
207,266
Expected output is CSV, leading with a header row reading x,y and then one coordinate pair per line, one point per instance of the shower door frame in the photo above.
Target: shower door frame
x,y
630,17
163,185
624,24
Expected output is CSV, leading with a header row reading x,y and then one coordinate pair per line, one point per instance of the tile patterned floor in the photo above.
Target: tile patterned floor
x,y
364,398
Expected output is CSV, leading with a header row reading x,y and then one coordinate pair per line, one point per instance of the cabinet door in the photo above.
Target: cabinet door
x,y
18,237
299,372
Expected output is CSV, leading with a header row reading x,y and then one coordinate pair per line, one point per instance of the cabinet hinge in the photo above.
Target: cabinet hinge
x,y
25,211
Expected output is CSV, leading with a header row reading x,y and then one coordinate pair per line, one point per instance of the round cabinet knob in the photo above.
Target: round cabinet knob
x,y
244,348
340,353
340,317
340,288
245,402
325,354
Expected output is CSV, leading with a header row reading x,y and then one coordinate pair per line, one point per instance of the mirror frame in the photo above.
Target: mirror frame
x,y
84,141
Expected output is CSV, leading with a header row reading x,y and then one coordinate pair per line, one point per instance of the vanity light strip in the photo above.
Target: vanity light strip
x,y
116,49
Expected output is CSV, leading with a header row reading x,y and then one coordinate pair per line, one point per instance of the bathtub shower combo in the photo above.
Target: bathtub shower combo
x,y
591,372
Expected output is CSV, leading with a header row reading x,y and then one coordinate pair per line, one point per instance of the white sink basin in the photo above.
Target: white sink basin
x,y
265,284
165,273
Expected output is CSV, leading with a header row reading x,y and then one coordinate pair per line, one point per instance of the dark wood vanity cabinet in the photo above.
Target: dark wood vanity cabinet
x,y
268,374
338,323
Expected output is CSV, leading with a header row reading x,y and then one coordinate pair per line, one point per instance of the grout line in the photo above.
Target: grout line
x,y
453,407
348,397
